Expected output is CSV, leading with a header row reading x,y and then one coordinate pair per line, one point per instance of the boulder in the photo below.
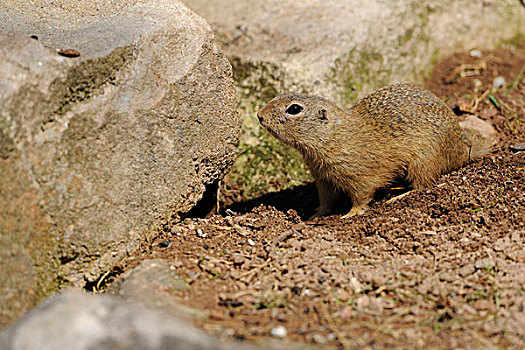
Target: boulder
x,y
79,321
114,117
341,49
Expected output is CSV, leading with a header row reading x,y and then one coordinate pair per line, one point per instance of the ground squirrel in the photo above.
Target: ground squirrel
x,y
397,132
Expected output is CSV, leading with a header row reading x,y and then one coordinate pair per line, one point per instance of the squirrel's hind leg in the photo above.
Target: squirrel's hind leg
x,y
356,210
360,203
328,196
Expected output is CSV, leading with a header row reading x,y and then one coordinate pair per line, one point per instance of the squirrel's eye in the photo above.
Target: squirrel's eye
x,y
294,109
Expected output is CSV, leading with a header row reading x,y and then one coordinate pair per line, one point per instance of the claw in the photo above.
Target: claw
x,y
356,211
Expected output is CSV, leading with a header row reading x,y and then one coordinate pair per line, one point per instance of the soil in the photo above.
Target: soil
x,y
442,267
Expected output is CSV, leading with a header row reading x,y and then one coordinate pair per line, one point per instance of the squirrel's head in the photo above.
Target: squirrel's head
x,y
303,122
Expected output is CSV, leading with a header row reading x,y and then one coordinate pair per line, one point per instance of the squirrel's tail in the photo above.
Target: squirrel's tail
x,y
479,136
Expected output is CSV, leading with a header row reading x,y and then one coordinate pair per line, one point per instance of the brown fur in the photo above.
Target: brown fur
x,y
400,131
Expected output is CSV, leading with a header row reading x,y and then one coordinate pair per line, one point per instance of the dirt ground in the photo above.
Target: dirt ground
x,y
441,268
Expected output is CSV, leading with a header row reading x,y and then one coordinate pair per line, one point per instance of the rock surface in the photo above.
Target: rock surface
x,y
150,283
78,321
339,49
113,117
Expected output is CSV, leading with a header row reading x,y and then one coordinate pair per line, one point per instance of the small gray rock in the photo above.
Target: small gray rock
x,y
355,285
498,82
476,53
484,263
318,338
369,305
80,321
467,270
279,332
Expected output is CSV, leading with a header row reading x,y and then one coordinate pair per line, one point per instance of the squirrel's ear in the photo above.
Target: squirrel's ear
x,y
323,114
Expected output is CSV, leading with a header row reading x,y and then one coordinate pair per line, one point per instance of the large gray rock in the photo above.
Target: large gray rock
x,y
340,49
78,321
96,150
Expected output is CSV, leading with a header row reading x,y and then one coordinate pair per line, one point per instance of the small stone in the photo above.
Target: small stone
x,y
447,277
502,244
238,259
343,296
164,244
477,83
346,313
355,285
279,332
466,308
318,338
200,234
476,53
467,270
484,263
251,242
309,293
498,82
369,305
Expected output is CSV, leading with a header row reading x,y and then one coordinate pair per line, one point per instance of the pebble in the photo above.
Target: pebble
x,y
346,313
343,296
369,305
251,242
498,82
309,293
467,270
477,83
318,338
200,234
476,53
447,277
355,285
238,260
279,332
484,263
